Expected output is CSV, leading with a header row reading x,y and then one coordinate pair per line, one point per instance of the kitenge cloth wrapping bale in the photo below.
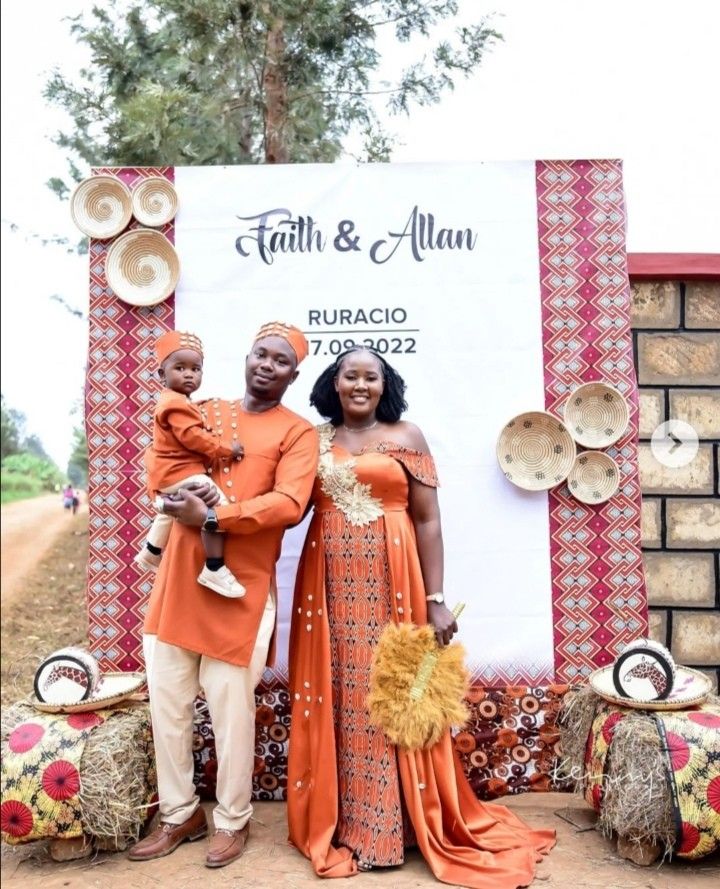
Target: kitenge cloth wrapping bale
x,y
106,795
652,776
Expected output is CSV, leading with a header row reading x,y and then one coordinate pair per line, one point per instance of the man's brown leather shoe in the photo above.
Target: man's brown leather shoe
x,y
167,837
226,846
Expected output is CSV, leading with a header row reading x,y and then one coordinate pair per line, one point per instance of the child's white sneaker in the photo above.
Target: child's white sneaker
x,y
146,560
222,581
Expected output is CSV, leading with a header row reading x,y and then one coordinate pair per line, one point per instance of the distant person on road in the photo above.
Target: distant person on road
x,y
68,496
75,500
183,451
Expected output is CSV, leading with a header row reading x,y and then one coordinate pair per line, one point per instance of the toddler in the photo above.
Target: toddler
x,y
180,452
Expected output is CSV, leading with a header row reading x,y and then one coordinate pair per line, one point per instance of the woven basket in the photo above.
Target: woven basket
x,y
101,206
594,477
142,267
154,201
690,688
596,415
535,451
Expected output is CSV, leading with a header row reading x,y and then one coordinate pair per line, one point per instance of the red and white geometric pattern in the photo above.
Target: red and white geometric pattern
x,y
598,587
121,383
501,675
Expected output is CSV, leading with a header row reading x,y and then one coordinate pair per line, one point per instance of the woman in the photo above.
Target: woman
x,y
373,554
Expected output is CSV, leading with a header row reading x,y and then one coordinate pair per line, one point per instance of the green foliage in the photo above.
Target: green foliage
x,y
245,81
27,475
19,487
26,468
11,429
33,445
41,468
75,312
77,470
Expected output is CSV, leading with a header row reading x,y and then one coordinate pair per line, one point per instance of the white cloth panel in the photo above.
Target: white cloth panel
x,y
461,324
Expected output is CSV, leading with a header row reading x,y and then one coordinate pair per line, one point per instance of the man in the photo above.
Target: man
x,y
196,639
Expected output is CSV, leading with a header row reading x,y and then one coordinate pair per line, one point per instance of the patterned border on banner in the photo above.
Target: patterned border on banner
x,y
118,418
598,585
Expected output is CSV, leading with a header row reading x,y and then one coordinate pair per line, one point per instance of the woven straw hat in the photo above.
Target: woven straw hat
x,y
154,201
535,451
69,674
645,677
594,477
112,689
142,267
70,681
644,671
596,415
101,206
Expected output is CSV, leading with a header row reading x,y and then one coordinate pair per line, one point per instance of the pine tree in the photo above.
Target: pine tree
x,y
185,82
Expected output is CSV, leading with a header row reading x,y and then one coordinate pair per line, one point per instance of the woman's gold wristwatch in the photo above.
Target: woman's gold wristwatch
x,y
435,597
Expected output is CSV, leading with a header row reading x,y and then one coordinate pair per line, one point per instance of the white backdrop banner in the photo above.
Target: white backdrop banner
x,y
435,266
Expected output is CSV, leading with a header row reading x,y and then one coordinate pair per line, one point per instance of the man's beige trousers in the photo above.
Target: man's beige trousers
x,y
175,676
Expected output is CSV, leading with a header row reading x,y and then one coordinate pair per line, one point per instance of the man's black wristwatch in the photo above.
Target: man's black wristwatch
x,y
211,521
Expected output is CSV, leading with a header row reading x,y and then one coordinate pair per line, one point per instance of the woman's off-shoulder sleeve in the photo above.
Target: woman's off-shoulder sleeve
x,y
420,466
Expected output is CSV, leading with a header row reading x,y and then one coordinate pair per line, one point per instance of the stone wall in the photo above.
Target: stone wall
x,y
676,332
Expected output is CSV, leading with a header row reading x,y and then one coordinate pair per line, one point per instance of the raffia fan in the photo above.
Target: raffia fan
x,y
417,688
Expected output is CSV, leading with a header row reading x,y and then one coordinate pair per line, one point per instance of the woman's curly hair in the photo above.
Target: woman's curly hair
x,y
326,401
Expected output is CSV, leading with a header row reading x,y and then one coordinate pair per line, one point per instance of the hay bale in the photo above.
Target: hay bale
x,y
574,722
636,804
117,773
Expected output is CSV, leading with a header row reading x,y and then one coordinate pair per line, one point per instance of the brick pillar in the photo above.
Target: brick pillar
x,y
676,331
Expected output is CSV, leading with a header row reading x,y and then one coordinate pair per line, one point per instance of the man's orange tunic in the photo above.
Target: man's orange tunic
x,y
268,490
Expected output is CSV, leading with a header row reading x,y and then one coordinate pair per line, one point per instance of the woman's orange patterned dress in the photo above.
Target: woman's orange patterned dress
x,y
351,794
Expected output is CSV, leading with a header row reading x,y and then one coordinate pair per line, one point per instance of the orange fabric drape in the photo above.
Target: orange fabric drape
x,y
463,840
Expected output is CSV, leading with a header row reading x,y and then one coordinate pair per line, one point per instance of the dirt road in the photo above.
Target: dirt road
x,y
582,859
28,529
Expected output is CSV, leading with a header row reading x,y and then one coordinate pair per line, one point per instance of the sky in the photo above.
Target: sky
x,y
629,79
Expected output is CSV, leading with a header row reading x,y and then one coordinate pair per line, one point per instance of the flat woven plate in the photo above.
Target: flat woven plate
x,y
101,206
689,688
154,201
142,267
535,451
594,477
596,415
115,687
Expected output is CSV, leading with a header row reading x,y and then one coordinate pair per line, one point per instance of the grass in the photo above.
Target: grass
x,y
20,487
48,613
